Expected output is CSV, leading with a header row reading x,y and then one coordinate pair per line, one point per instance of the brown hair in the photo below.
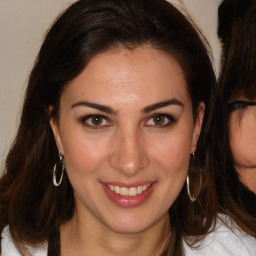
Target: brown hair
x,y
29,203
237,78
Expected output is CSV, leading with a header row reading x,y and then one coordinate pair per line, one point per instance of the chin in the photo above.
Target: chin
x,y
128,224
135,223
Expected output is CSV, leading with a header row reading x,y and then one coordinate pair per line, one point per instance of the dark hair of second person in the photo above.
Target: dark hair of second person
x,y
236,94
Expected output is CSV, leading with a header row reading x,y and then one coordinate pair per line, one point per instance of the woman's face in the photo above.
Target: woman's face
x,y
126,131
243,139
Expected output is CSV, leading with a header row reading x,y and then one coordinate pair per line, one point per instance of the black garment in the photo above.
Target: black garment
x,y
54,244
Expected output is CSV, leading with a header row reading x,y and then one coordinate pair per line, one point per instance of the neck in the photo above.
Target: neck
x,y
80,237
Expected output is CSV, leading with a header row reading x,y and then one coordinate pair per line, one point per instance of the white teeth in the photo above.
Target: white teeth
x,y
144,187
139,190
117,189
133,191
124,191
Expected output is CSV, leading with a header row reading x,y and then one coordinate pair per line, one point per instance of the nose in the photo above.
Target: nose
x,y
129,155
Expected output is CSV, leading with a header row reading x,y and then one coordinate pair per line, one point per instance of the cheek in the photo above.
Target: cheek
x,y
243,141
82,154
172,152
171,160
235,134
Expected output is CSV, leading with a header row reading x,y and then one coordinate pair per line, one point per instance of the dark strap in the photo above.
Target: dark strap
x,y
54,244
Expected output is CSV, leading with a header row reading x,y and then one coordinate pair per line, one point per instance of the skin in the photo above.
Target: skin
x,y
127,147
243,142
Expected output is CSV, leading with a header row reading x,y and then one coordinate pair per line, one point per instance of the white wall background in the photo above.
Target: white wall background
x,y
22,26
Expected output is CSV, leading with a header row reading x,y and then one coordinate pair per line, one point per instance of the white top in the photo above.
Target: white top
x,y
8,248
221,242
224,241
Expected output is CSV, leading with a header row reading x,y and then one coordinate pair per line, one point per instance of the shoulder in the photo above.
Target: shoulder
x,y
9,249
227,239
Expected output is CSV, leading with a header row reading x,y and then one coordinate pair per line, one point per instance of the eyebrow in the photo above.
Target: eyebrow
x,y
162,104
100,107
147,109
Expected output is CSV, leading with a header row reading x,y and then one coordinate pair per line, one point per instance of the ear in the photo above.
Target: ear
x,y
55,129
197,126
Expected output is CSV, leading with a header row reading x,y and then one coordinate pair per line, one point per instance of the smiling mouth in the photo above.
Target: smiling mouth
x,y
133,191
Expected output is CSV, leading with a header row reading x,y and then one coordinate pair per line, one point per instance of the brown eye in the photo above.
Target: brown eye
x,y
97,120
159,120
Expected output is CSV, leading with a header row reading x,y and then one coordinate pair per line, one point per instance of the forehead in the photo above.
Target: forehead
x,y
123,75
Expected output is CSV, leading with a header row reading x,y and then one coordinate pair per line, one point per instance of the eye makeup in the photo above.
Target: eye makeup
x,y
240,105
157,120
160,120
94,121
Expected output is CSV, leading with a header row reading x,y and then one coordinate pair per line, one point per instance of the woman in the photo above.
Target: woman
x,y
113,110
235,120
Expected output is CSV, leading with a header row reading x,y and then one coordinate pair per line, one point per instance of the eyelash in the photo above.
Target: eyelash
x,y
240,105
167,118
84,120
168,121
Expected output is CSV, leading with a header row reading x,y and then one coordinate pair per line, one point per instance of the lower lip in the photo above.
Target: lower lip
x,y
128,201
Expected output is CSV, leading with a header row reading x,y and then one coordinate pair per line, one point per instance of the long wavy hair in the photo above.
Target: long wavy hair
x,y
237,78
29,203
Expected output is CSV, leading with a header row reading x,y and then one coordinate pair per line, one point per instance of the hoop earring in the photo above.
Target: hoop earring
x,y
55,183
194,196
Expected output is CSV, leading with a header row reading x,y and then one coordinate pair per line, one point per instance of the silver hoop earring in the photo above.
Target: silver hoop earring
x,y
193,196
56,184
